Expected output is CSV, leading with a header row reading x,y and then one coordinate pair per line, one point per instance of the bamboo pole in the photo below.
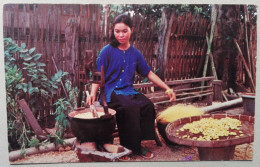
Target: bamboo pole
x,y
213,20
180,99
193,88
15,155
246,67
247,43
246,37
214,69
209,54
161,93
209,42
193,93
220,106
212,61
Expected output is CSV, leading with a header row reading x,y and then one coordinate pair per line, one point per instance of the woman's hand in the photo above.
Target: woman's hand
x,y
157,81
91,99
171,94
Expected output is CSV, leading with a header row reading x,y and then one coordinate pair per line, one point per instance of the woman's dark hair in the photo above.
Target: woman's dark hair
x,y
123,18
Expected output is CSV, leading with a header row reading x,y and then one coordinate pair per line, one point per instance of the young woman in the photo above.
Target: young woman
x,y
135,114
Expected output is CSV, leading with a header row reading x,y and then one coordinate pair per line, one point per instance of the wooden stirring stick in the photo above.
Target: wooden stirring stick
x,y
92,107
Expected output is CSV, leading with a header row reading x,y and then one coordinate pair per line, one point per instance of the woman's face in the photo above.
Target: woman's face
x,y
122,33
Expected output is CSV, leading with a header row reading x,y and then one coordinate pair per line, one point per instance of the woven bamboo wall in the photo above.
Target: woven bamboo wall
x,y
186,48
65,32
73,35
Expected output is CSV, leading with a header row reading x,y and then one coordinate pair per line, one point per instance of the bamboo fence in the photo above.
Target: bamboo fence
x,y
186,48
71,36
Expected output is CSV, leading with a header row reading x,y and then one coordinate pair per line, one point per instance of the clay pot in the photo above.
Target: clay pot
x,y
98,130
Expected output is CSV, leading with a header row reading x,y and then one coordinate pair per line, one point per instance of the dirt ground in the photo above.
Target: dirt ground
x,y
164,153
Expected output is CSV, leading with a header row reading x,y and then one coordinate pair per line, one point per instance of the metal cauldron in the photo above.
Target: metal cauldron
x,y
98,130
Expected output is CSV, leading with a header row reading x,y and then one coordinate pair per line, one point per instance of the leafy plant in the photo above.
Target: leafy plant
x,y
37,85
63,107
34,142
73,93
18,130
25,77
14,81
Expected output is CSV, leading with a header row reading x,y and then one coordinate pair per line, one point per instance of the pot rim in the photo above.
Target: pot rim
x,y
73,113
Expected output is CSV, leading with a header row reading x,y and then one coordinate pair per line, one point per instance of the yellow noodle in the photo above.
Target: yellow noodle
x,y
178,111
212,129
88,115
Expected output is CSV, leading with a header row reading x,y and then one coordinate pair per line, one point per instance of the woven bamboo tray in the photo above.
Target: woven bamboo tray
x,y
222,149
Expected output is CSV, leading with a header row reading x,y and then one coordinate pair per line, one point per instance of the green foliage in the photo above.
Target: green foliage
x,y
38,84
37,88
252,11
34,142
63,107
73,93
18,129
14,81
154,11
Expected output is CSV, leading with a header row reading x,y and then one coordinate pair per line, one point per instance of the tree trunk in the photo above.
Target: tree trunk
x,y
225,52
106,9
71,52
163,41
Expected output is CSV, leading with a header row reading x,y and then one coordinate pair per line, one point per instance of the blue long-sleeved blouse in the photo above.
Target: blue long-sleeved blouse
x,y
119,68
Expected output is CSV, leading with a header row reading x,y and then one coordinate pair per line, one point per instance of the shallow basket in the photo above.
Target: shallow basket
x,y
216,149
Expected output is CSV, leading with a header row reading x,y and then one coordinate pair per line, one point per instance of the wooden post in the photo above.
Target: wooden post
x,y
210,97
217,89
32,120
